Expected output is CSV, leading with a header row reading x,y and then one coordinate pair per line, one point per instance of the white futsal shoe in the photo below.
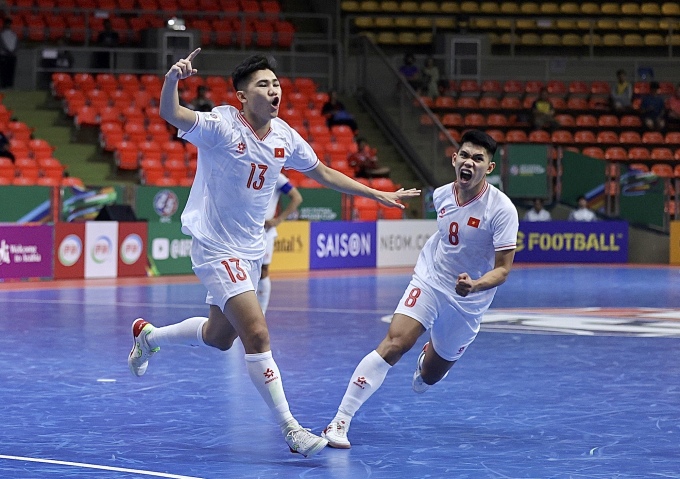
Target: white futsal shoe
x,y
418,384
138,360
302,441
336,434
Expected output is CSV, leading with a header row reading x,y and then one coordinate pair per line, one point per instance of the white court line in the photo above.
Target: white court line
x,y
95,466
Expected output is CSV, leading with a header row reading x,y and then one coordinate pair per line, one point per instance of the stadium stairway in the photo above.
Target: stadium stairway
x,y
81,156
400,171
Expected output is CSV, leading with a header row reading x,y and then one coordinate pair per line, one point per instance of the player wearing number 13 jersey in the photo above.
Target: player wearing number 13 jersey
x,y
240,156
453,284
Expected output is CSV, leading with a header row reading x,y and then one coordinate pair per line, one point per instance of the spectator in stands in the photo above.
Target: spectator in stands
x,y
202,102
673,107
365,162
582,213
431,78
653,108
622,92
537,213
107,38
64,59
4,148
9,43
543,113
336,114
410,71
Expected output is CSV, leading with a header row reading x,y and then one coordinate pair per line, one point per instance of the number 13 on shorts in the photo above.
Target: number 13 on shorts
x,y
233,267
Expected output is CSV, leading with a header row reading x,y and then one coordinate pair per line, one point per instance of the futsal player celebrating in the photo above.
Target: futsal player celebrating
x,y
453,284
240,156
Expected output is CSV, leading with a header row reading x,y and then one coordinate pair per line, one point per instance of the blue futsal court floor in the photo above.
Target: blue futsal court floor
x,y
576,374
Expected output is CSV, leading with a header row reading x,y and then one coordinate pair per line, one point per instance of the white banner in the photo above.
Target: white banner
x,y
399,242
101,249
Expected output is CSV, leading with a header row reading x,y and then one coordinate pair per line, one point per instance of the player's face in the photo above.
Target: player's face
x,y
261,97
472,163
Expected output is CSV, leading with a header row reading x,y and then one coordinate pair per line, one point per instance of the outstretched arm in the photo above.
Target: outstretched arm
x,y
334,179
170,109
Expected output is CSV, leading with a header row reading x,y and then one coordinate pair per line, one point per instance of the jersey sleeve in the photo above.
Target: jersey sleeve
x,y
209,129
505,227
303,157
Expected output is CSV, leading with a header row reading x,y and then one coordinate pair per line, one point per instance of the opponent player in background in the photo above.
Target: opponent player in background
x,y
240,156
283,186
453,284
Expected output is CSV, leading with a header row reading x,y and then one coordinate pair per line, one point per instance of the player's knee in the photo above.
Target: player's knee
x,y
265,271
393,348
257,340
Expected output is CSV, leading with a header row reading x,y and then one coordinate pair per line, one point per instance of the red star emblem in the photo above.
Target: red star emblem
x,y
361,380
269,373
241,147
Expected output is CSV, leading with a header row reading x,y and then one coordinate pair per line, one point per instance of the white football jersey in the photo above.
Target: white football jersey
x,y
283,186
236,176
467,239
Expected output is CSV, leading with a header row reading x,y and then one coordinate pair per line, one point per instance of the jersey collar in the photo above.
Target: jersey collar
x,y
243,120
477,196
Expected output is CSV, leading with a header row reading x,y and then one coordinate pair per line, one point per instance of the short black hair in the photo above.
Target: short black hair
x,y
250,65
479,138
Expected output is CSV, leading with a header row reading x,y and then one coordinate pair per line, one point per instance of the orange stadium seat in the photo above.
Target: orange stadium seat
x,y
615,153
662,154
516,136
652,137
539,136
585,136
594,152
638,153
630,137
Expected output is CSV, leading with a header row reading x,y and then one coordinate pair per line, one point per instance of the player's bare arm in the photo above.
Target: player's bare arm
x,y
170,109
497,276
334,179
293,204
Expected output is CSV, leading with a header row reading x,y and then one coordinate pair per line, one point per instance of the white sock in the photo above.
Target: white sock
x,y
366,379
265,375
264,290
189,332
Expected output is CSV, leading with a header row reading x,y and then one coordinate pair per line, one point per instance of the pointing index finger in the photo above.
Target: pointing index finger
x,y
193,54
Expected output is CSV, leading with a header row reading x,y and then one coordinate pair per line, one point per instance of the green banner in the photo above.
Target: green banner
x,y
318,204
527,171
84,204
580,175
642,197
169,249
160,204
25,204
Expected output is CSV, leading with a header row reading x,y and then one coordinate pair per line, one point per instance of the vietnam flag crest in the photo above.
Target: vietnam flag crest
x,y
474,222
278,153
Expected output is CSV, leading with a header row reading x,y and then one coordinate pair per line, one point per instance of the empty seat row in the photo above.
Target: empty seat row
x,y
528,8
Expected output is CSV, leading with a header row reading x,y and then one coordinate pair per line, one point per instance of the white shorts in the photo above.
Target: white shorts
x,y
451,328
270,239
224,274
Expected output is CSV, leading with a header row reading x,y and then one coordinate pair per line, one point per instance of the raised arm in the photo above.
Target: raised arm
x,y
334,179
170,109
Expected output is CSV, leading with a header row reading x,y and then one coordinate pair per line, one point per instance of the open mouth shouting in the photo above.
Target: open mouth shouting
x,y
275,102
465,175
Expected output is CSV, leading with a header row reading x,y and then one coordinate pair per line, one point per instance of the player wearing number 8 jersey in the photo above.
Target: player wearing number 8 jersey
x,y
453,284
240,156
